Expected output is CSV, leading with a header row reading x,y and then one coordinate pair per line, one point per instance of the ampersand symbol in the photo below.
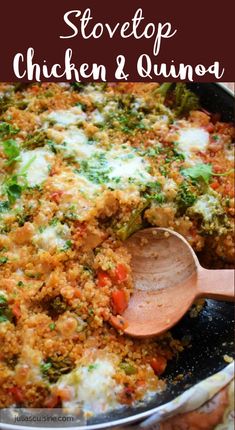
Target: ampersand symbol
x,y
119,74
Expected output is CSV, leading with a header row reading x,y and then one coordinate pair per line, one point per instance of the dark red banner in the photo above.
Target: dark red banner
x,y
79,40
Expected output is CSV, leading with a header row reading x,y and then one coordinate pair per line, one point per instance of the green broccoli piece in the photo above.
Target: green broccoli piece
x,y
179,97
164,89
185,197
5,311
184,100
134,224
54,367
56,306
39,138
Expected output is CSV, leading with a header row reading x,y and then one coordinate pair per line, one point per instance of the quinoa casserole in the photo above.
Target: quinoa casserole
x,y
82,167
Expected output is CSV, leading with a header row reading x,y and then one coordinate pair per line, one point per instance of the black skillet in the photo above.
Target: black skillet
x,y
211,333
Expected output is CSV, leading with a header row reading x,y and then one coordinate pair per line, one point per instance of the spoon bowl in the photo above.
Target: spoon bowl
x,y
167,279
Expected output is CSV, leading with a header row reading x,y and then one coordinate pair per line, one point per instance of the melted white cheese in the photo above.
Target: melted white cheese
x,y
54,236
73,184
229,153
36,165
206,206
96,117
79,194
127,166
3,294
73,142
170,188
94,94
93,387
67,117
192,140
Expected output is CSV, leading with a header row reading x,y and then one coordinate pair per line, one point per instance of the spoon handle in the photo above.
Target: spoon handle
x,y
216,284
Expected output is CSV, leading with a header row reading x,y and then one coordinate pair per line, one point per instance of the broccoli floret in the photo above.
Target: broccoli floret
x,y
5,311
56,306
134,224
39,138
164,89
179,97
184,100
53,367
185,197
212,218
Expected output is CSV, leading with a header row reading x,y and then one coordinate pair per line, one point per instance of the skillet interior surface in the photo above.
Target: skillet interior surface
x,y
211,333
211,336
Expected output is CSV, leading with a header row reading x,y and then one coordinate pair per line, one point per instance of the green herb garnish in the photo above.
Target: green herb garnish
x,y
5,311
52,326
3,260
199,172
185,197
7,129
11,150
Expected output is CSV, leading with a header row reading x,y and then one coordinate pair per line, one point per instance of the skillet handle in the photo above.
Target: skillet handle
x,y
216,284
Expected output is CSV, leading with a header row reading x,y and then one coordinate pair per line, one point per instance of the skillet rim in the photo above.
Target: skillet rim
x,y
137,417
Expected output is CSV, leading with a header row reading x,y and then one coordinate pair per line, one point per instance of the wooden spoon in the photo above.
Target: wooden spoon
x,y
167,280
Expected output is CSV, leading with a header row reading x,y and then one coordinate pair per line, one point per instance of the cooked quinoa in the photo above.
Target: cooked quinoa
x,y
82,167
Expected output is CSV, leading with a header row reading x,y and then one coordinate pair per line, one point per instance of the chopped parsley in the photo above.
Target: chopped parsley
x,y
95,169
7,129
67,245
3,260
52,326
92,367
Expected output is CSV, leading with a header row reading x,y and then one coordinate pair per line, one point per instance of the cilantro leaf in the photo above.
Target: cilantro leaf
x,y
199,172
13,189
11,150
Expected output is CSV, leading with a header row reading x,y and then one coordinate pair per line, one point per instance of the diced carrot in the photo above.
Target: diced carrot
x,y
77,294
118,322
158,364
229,190
214,185
210,127
55,197
16,310
34,89
80,229
126,396
17,394
141,383
52,401
64,393
120,273
119,301
103,279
